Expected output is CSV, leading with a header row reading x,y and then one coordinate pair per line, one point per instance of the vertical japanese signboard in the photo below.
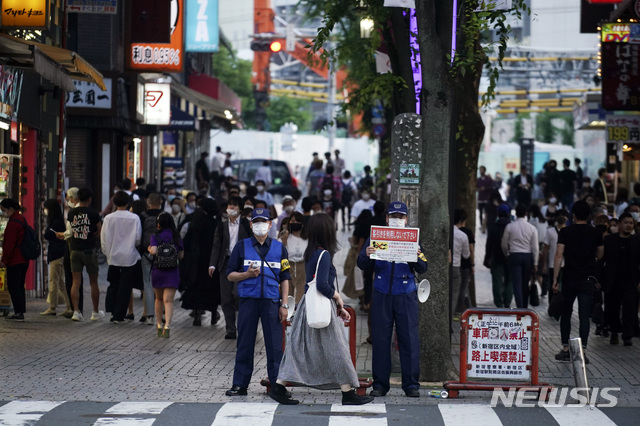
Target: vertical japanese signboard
x,y
161,57
620,49
499,347
201,27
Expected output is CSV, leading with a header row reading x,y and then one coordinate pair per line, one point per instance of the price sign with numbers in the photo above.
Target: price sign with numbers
x,y
623,128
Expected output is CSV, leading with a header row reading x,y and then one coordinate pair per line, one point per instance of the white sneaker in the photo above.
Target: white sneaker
x,y
77,316
95,316
150,320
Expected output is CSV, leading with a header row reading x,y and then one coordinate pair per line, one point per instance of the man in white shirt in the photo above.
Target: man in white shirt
x,y
264,174
365,202
460,250
119,238
520,245
338,164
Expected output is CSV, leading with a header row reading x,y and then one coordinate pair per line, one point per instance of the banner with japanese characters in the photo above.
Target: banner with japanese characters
x,y
499,347
620,50
623,128
395,244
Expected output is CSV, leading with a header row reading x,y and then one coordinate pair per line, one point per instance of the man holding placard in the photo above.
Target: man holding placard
x,y
396,255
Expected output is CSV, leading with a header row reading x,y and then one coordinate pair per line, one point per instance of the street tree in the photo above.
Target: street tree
x,y
452,128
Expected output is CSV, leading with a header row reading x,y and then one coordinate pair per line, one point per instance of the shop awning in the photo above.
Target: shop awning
x,y
213,108
55,64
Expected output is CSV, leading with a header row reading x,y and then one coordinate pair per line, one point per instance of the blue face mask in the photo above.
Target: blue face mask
x,y
171,197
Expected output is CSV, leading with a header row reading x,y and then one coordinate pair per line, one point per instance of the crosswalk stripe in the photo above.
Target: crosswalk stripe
x,y
475,414
245,414
22,413
133,409
579,416
360,416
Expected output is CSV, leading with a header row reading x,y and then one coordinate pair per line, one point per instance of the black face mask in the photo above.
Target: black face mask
x,y
295,227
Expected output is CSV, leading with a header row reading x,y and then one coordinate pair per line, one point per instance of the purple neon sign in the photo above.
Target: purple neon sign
x,y
415,56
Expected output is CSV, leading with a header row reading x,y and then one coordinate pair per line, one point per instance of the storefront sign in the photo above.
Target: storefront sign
x,y
201,28
10,86
620,76
395,244
89,95
23,14
499,347
615,33
161,56
623,128
157,108
409,174
109,7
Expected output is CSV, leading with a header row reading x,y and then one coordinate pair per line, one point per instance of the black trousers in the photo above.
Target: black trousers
x,y
121,279
68,279
625,297
15,282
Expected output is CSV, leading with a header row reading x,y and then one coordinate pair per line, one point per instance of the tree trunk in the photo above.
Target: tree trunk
x,y
437,107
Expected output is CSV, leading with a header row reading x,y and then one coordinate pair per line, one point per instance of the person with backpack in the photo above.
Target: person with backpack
x,y
119,239
167,249
13,259
149,227
349,190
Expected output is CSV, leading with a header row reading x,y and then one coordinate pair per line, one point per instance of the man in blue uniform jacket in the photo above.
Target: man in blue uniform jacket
x,y
260,266
394,299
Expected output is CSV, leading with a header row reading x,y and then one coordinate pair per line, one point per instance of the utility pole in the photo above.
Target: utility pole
x,y
331,105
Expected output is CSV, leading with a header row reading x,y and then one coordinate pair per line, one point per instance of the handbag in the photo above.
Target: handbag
x,y
597,314
318,307
534,297
556,305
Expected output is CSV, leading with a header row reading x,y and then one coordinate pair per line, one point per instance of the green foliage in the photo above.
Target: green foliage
x,y
567,133
288,110
547,131
518,129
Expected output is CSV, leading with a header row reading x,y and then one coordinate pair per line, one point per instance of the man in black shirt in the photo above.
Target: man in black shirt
x,y
581,246
85,228
620,279
568,184
202,169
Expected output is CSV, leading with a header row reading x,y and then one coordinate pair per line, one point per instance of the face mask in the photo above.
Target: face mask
x,y
260,188
317,211
71,205
553,200
288,209
605,212
295,227
613,230
396,223
260,229
328,192
175,209
635,216
366,197
171,197
232,212
192,204
248,207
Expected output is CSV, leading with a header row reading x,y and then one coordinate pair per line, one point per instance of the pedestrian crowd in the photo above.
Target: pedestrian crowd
x,y
569,240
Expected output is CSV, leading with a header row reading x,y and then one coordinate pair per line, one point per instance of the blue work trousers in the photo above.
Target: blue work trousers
x,y
401,309
248,314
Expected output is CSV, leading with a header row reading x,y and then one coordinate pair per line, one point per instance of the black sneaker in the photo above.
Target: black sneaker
x,y
142,318
279,394
129,317
15,317
351,398
563,355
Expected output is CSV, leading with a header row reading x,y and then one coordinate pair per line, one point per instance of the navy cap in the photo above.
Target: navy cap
x,y
260,213
397,207
504,209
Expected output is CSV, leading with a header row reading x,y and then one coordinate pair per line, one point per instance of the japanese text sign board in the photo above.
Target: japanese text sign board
x,y
620,69
201,27
109,7
499,347
24,14
89,95
623,128
157,108
161,57
395,244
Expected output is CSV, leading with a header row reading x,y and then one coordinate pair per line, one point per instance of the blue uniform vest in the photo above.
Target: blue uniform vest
x,y
394,278
267,284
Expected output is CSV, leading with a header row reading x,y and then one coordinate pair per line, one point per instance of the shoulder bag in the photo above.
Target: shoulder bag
x,y
318,307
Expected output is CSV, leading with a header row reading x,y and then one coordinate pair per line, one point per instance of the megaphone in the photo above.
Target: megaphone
x,y
291,302
424,289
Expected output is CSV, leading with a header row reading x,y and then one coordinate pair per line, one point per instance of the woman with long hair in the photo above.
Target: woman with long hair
x,y
12,257
55,258
319,357
165,282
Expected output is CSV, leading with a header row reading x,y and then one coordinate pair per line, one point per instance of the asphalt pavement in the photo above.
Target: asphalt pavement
x,y
55,359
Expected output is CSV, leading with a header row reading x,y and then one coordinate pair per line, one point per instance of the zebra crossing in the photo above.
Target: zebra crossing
x,y
54,413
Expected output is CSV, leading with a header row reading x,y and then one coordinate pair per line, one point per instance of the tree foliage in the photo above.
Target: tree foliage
x,y
287,110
